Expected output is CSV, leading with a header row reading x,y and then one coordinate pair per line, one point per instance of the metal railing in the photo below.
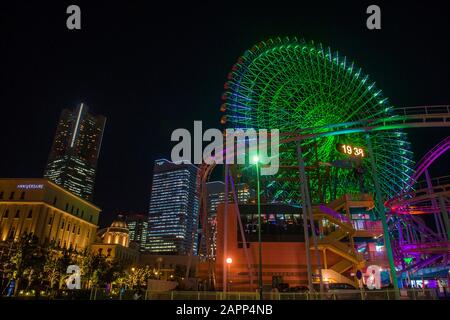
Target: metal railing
x,y
405,294
102,294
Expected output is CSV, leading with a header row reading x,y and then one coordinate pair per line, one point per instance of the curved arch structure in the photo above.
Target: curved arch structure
x,y
398,204
433,247
429,158
289,84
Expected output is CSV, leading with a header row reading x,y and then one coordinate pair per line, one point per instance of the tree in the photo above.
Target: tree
x,y
55,267
94,268
26,262
138,277
52,271
114,271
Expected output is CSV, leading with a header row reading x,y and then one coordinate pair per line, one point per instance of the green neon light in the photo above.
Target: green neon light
x,y
290,84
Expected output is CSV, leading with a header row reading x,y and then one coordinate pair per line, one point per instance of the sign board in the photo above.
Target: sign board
x,y
30,186
351,150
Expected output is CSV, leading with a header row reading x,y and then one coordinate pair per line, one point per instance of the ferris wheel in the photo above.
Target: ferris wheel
x,y
290,84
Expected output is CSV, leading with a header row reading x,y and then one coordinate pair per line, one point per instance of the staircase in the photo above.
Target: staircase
x,y
335,277
342,249
334,242
342,266
338,235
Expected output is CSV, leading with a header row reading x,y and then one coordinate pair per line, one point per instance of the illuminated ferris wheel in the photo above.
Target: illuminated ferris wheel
x,y
290,85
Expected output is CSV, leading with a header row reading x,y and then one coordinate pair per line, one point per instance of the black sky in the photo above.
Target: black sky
x,y
153,67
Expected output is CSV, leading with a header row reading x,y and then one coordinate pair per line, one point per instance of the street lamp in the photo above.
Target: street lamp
x,y
229,261
260,282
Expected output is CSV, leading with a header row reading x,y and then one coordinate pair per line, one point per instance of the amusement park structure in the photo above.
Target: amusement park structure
x,y
345,163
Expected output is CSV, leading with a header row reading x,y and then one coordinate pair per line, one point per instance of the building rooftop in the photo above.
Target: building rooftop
x,y
40,183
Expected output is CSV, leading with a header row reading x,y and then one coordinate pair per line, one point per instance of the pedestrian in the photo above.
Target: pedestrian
x,y
137,295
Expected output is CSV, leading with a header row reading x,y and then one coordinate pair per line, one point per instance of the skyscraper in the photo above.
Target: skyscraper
x,y
72,162
174,204
216,196
138,226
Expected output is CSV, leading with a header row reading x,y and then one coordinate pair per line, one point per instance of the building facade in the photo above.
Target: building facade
x,y
114,243
347,241
138,226
174,205
216,196
48,211
72,161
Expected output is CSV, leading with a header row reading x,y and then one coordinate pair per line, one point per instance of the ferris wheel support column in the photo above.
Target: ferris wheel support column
x,y
382,213
302,176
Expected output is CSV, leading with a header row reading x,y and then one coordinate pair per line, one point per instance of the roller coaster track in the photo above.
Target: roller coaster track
x,y
422,166
421,264
429,158
403,118
410,202
414,117
431,247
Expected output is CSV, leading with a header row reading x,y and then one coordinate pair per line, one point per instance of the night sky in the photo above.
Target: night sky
x,y
151,68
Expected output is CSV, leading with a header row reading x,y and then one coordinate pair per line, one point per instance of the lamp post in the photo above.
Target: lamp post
x,y
260,280
229,261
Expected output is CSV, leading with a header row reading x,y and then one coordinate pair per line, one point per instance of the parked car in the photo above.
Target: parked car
x,y
300,289
283,287
340,286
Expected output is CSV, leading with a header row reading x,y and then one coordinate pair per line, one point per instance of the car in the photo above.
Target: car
x,y
340,286
344,291
299,289
283,287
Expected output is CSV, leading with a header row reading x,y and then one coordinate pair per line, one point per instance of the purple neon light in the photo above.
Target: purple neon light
x,y
333,213
423,246
428,159
422,166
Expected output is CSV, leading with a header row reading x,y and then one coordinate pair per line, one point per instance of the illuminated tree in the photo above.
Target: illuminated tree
x,y
26,261
138,277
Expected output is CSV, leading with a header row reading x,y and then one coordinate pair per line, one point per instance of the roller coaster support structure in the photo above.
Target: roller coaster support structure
x,y
382,216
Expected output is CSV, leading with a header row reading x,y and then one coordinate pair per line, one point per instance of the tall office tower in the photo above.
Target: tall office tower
x,y
138,226
216,196
72,162
173,213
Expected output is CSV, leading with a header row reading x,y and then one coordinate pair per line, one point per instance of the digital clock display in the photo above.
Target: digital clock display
x,y
350,150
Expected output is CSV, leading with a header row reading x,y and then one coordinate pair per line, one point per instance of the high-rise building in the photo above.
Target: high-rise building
x,y
72,162
173,213
216,196
138,227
